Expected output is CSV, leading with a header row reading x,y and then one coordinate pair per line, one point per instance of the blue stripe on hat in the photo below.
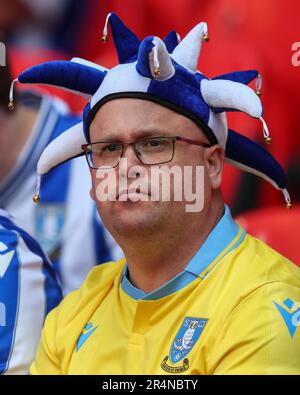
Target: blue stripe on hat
x,y
246,152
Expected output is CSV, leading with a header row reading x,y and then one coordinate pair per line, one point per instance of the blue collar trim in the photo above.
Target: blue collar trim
x,y
217,241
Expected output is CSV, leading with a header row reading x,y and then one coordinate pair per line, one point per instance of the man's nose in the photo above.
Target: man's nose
x,y
134,167
130,155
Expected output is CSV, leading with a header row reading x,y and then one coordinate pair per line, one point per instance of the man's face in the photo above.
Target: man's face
x,y
128,120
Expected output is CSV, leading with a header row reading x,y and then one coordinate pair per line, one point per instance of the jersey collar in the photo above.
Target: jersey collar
x,y
225,236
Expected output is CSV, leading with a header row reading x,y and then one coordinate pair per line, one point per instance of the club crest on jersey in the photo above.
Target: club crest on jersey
x,y
184,341
50,219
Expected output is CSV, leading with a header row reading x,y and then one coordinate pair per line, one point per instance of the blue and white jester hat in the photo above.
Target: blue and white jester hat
x,y
164,72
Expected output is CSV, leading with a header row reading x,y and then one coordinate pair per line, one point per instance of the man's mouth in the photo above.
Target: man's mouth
x,y
131,193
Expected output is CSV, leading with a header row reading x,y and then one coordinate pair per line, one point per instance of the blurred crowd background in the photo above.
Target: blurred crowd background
x,y
244,34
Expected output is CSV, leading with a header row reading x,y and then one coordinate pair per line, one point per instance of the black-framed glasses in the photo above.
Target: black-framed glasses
x,y
149,151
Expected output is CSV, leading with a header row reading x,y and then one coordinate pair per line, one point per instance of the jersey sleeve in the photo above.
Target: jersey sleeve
x,y
46,359
28,290
261,335
64,324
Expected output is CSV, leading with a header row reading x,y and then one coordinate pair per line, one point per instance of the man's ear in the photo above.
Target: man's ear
x,y
214,163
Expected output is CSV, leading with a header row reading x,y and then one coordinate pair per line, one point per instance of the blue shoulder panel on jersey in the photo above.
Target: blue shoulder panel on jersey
x,y
9,294
52,288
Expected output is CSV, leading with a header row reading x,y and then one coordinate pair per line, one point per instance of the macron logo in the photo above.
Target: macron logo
x,y
86,333
290,314
5,258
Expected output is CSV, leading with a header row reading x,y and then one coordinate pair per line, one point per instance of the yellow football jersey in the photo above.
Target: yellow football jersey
x,y
233,310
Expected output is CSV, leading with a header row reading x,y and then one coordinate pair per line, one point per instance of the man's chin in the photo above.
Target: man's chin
x,y
134,217
132,211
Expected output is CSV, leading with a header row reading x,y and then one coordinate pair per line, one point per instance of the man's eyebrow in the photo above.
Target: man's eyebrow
x,y
144,133
135,135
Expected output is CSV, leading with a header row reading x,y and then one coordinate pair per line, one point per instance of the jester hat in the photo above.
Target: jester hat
x,y
164,72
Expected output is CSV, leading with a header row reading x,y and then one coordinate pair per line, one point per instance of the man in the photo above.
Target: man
x,y
64,209
194,294
29,289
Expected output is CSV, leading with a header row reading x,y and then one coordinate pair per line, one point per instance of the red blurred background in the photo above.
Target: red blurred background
x,y
243,35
